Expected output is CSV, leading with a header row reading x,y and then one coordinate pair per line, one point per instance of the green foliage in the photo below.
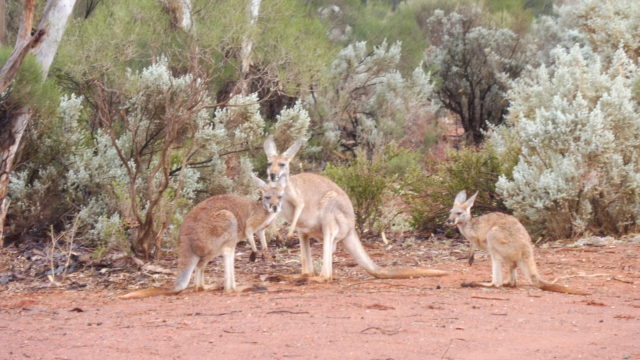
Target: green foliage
x,y
431,196
368,101
290,47
375,22
118,35
293,42
29,88
373,184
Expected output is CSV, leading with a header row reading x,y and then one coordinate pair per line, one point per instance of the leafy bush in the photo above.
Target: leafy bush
x,y
369,100
473,62
606,26
130,176
28,88
576,130
431,196
374,185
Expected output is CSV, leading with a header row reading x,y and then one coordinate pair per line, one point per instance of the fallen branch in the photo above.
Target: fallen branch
x,y
379,330
287,312
615,277
219,314
488,298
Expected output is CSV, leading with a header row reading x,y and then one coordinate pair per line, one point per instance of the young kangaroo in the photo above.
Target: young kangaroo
x,y
320,209
214,227
506,240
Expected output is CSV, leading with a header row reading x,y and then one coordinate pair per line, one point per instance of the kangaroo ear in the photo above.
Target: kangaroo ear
x,y
257,181
470,201
461,197
293,149
270,147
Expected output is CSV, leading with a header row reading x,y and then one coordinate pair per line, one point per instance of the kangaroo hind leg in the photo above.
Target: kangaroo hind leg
x,y
306,259
329,233
513,274
228,255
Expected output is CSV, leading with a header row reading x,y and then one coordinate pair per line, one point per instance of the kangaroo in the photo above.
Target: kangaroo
x,y
214,227
506,240
318,208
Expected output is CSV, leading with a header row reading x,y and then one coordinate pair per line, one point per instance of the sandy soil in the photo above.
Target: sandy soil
x,y
354,317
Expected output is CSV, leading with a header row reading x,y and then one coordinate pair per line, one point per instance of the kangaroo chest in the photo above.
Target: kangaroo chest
x,y
478,240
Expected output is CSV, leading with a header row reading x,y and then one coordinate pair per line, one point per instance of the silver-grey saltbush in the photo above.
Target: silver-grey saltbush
x,y
575,128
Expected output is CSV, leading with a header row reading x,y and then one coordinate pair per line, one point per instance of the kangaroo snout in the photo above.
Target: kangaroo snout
x,y
273,177
450,222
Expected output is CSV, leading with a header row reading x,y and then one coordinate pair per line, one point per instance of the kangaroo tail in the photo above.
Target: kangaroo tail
x,y
145,293
354,247
547,286
188,262
405,273
528,266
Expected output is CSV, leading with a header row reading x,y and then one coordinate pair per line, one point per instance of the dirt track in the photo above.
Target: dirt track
x,y
355,317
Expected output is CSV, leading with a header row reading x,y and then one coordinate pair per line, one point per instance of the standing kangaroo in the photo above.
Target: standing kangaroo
x,y
320,209
506,240
214,227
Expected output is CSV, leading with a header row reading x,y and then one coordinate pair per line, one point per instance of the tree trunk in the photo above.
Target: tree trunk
x,y
247,48
180,12
186,24
24,43
3,22
51,28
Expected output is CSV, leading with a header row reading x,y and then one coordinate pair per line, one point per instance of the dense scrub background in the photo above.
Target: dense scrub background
x,y
403,103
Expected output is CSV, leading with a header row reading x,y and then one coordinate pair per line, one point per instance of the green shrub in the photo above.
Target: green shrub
x,y
431,196
374,184
28,87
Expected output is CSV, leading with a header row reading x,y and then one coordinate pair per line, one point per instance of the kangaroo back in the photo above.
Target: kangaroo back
x,y
213,227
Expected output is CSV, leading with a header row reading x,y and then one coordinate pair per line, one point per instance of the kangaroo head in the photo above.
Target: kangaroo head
x,y
271,194
278,164
460,213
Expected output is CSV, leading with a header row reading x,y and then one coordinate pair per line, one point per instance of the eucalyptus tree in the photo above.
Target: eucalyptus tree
x,y
43,44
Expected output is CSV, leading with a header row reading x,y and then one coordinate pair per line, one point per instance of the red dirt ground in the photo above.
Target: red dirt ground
x,y
354,317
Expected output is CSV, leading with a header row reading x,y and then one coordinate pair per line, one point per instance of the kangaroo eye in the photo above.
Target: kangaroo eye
x,y
282,164
268,164
267,197
280,197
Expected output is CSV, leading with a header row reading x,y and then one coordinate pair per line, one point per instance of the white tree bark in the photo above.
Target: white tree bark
x,y
186,22
180,12
53,22
247,47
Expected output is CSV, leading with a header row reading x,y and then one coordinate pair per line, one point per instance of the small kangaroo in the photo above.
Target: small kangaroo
x,y
320,209
506,240
214,227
